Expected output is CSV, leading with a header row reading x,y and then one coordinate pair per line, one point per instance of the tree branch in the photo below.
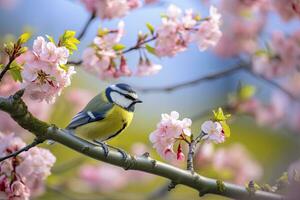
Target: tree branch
x,y
273,83
26,148
193,82
17,109
86,26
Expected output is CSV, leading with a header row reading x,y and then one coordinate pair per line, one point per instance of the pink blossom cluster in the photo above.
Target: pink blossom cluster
x,y
178,30
287,9
235,161
22,176
44,73
42,110
213,131
273,114
109,9
171,130
243,22
108,178
100,59
281,58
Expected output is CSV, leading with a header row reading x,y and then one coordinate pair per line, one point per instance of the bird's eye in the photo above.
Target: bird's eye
x,y
129,97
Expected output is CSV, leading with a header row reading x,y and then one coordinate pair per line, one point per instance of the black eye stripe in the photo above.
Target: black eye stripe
x,y
125,95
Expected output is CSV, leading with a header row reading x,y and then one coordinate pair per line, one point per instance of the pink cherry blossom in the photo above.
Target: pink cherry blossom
x,y
48,52
146,68
23,176
287,9
214,131
150,1
274,112
100,58
178,29
43,77
282,59
169,41
109,9
237,162
209,32
169,130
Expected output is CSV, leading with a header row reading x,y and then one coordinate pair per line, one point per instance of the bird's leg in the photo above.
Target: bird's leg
x,y
104,147
121,151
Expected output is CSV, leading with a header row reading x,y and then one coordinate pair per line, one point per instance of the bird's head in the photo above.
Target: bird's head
x,y
122,95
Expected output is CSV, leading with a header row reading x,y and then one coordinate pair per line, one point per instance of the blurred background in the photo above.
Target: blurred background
x,y
258,149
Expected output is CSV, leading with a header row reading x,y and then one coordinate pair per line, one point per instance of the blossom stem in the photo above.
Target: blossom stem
x,y
191,153
26,148
17,109
86,26
138,45
6,68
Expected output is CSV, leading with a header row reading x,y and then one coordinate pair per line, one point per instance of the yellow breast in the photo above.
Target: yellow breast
x,y
114,123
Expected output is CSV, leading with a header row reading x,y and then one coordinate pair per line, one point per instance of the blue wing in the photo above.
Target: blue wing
x,y
87,116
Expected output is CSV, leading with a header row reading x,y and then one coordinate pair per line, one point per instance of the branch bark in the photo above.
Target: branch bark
x,y
86,26
17,109
209,77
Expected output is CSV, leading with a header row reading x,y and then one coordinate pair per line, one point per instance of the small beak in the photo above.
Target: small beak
x,y
138,101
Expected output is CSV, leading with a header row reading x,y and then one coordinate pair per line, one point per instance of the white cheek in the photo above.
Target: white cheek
x,y
120,99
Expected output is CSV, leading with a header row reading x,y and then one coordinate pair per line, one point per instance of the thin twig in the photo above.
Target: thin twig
x,y
137,46
86,26
79,62
7,67
273,83
26,148
193,82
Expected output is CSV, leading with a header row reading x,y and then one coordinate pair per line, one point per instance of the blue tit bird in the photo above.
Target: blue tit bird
x,y
107,115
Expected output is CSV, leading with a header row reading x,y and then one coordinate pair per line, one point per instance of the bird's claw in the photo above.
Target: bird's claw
x,y
123,153
104,147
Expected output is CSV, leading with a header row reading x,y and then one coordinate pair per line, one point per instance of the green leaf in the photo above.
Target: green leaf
x,y
197,17
150,49
69,41
245,92
15,71
22,50
261,53
119,47
220,116
102,32
50,38
150,28
226,128
64,67
24,38
9,48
